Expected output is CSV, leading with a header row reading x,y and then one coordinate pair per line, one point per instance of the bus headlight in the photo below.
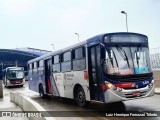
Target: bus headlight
x,y
110,86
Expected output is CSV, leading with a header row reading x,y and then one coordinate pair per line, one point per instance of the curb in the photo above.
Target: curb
x,y
157,92
26,104
1,89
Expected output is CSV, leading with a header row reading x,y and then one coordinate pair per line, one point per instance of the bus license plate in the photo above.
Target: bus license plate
x,y
136,93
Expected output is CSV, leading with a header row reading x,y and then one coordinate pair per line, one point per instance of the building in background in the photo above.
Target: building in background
x,y
155,58
18,57
33,50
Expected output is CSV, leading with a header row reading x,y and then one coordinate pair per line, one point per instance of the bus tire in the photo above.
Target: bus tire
x,y
5,84
80,97
41,91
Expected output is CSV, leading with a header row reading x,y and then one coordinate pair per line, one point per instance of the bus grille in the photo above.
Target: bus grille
x,y
130,78
129,94
133,79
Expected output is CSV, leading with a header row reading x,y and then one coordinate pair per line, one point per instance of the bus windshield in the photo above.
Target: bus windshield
x,y
12,75
128,60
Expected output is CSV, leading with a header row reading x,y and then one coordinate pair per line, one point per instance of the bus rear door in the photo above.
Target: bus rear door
x,y
47,76
51,87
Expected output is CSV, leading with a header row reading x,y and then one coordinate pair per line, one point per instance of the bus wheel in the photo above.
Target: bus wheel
x,y
80,97
6,85
41,91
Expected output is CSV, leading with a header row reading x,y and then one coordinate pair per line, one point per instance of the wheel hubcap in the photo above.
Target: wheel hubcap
x,y
81,97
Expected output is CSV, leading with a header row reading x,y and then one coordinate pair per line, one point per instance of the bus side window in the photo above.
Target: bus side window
x,y
52,60
56,63
79,61
35,68
30,70
38,71
37,64
41,62
66,63
30,66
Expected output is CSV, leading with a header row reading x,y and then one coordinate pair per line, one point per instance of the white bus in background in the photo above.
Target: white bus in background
x,y
13,76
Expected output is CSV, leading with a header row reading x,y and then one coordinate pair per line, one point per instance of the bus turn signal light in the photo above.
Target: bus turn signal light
x,y
85,75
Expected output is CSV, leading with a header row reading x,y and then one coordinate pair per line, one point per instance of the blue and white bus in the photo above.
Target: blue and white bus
x,y
109,67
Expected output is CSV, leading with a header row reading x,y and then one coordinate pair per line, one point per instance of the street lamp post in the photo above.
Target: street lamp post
x,y
123,12
53,47
78,36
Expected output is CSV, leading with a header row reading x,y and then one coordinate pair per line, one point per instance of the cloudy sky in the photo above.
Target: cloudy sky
x,y
40,23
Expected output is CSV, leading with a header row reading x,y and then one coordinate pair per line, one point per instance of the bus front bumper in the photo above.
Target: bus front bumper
x,y
15,84
127,94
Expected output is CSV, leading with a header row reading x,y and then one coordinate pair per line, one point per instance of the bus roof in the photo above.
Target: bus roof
x,y
101,36
90,40
46,56
14,68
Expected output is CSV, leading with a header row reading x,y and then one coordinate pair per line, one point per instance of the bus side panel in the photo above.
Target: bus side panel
x,y
58,86
73,78
41,79
77,77
36,78
31,81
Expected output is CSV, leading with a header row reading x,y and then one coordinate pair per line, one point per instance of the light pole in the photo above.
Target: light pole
x,y
53,47
78,36
123,12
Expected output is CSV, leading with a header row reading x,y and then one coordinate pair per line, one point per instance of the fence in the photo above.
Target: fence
x,y
155,64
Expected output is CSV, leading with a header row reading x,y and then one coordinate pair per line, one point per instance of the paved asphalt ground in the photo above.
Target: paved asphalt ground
x,y
56,104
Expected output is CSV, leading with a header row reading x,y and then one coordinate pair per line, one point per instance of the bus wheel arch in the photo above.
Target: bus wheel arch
x,y
79,95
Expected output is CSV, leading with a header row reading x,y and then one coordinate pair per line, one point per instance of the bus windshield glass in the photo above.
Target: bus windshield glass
x,y
129,60
17,74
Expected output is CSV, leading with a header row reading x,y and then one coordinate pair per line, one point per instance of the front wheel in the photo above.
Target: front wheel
x,y
5,84
80,97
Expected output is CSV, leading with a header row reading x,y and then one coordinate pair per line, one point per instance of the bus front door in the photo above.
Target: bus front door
x,y
94,69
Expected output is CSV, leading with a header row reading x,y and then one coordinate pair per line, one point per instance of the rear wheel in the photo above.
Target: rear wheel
x,y
80,97
41,91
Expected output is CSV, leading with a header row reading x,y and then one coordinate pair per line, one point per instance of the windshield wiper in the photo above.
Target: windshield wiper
x,y
123,54
116,59
137,59
139,48
111,57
